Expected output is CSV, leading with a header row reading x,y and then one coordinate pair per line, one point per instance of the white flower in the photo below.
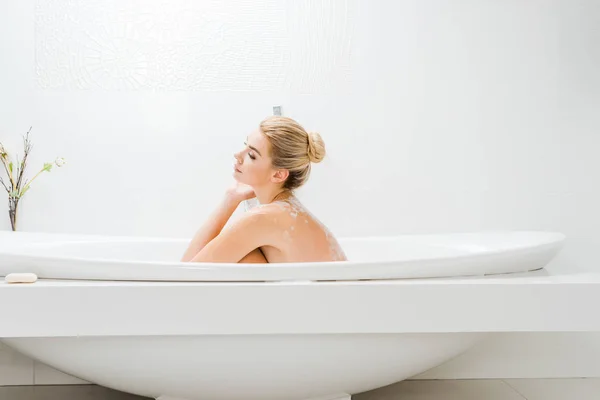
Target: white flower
x,y
60,162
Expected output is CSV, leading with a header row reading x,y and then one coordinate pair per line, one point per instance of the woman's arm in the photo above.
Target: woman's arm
x,y
213,226
253,230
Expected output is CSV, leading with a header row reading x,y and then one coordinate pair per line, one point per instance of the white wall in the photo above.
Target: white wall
x,y
439,116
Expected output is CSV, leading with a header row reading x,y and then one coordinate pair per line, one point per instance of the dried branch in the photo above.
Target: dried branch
x,y
3,184
5,161
28,146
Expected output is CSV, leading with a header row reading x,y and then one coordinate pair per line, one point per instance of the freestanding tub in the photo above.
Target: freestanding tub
x,y
122,313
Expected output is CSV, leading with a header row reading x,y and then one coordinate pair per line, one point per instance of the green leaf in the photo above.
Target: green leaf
x,y
47,166
10,167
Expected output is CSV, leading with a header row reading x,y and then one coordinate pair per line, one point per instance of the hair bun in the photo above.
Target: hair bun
x,y
316,147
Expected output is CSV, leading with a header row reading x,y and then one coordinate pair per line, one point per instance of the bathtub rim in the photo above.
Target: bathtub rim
x,y
523,256
555,239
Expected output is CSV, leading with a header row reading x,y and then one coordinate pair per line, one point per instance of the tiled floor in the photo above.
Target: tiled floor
x,y
63,392
479,389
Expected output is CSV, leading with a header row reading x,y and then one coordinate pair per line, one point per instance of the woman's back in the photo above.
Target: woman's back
x,y
299,236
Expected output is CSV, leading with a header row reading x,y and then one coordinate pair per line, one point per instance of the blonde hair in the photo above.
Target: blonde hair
x,y
292,148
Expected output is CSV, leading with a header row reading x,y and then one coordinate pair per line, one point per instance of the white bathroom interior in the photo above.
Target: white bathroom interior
x,y
438,116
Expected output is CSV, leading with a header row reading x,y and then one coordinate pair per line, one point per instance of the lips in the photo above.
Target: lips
x,y
236,169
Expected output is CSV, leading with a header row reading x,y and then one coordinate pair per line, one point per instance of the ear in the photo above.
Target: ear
x,y
280,175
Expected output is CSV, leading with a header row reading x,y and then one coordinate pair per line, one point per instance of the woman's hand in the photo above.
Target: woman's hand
x,y
240,192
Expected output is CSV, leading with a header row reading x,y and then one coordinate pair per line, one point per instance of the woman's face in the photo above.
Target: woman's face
x,y
253,163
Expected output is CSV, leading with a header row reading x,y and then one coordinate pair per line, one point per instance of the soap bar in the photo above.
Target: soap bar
x,y
22,277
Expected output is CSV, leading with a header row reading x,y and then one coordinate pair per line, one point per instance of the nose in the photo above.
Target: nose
x,y
238,157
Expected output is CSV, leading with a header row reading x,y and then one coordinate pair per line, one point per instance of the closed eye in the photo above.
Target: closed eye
x,y
253,149
252,156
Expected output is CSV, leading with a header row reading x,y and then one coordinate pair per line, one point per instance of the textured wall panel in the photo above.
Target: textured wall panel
x,y
235,45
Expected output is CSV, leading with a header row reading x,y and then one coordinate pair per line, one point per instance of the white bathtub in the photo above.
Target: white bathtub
x,y
401,257
121,313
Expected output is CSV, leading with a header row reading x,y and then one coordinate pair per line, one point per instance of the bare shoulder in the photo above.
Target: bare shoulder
x,y
266,210
275,217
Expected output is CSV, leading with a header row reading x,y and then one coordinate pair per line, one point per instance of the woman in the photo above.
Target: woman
x,y
276,160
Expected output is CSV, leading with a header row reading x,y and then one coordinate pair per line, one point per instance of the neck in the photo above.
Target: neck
x,y
267,195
